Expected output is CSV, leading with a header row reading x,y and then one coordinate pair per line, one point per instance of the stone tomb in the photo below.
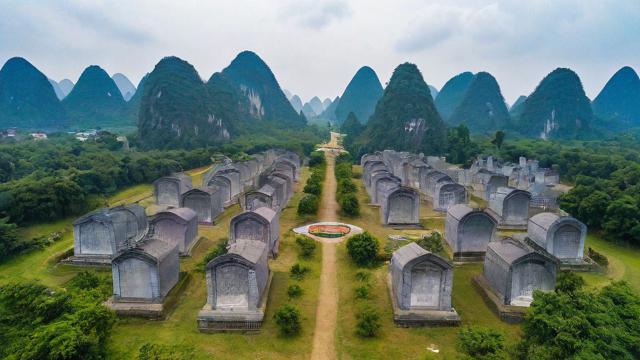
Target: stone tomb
x,y
233,175
421,284
223,184
561,236
511,206
101,234
261,224
468,232
263,197
434,178
448,194
280,190
399,205
177,226
207,202
169,189
237,289
381,182
143,276
512,271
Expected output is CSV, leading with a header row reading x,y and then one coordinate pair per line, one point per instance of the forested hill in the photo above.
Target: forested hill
x,y
516,108
95,101
452,94
558,108
175,107
405,118
27,99
256,81
482,108
360,96
618,104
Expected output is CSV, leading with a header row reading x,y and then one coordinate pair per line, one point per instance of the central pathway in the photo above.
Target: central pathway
x,y
324,347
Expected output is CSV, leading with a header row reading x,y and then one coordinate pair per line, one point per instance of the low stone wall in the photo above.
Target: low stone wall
x,y
507,313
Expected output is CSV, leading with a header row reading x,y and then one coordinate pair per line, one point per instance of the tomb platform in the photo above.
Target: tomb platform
x,y
234,320
419,318
468,256
88,260
508,313
152,310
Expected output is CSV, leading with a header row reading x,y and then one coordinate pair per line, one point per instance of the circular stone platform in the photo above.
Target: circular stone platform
x,y
332,232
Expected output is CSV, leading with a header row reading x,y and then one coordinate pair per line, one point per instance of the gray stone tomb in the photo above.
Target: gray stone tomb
x,y
261,224
169,189
176,226
421,286
207,202
561,236
468,231
399,205
511,206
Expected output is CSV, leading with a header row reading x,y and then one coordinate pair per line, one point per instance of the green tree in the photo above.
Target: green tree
x,y
363,249
498,139
481,343
287,317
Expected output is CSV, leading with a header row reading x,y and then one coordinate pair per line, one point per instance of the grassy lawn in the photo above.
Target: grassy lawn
x,y
624,262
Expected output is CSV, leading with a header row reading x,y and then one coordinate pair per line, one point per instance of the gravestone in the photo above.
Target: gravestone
x,y
561,236
468,231
169,189
237,288
263,197
142,277
421,284
448,194
511,207
207,202
399,205
176,226
261,224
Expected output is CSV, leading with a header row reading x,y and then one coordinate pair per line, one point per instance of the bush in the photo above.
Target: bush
x,y
346,186
308,205
368,324
481,343
287,317
363,249
432,242
294,291
350,205
598,257
316,158
219,249
85,280
313,187
306,245
298,271
569,282
362,292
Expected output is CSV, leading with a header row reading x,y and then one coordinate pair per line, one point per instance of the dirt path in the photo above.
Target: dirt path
x,y
324,347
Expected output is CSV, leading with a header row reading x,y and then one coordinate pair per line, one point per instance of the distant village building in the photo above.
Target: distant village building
x,y
39,136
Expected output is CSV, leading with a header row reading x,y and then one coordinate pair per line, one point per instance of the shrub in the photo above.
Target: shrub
x,y
313,188
598,257
362,292
294,291
569,282
316,158
306,245
308,205
346,186
368,324
85,280
363,276
363,249
219,249
287,317
432,242
481,343
298,271
343,170
350,205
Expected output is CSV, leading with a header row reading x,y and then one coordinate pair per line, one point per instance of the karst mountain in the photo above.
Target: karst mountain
x,y
254,78
558,108
405,117
124,85
175,107
316,105
360,96
56,89
95,101
296,102
452,94
482,108
618,104
27,99
516,107
66,86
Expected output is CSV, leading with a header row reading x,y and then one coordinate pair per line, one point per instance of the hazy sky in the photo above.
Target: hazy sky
x,y
315,46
